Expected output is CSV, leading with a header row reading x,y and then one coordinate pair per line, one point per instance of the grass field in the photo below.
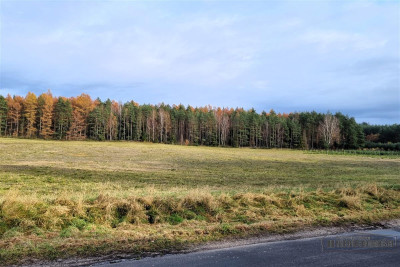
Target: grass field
x,y
62,199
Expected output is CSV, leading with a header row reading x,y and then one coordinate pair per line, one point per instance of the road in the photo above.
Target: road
x,y
303,252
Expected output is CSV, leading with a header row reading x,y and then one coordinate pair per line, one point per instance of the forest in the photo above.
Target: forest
x,y
81,117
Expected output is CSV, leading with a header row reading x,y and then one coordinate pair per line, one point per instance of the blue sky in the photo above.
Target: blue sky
x,y
289,56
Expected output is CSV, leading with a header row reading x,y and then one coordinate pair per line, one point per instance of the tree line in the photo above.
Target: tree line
x,y
384,137
382,133
81,117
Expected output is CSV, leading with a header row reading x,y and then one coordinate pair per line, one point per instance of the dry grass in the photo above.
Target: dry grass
x,y
61,199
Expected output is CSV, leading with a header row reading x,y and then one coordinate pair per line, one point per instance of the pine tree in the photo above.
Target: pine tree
x,y
3,115
62,117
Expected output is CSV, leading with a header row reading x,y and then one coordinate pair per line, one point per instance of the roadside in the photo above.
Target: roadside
x,y
35,230
307,233
359,248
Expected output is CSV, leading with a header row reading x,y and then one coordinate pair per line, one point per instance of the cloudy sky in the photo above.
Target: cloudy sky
x,y
289,56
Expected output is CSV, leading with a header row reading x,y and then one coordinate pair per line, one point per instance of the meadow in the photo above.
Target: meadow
x,y
84,198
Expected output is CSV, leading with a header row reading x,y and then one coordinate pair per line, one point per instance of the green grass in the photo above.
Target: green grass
x,y
49,167
61,199
368,152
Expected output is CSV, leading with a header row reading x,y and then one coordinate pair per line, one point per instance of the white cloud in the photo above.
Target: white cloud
x,y
260,84
235,53
338,40
289,24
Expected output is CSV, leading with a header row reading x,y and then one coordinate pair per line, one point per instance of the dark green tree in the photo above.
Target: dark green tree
x,y
62,117
3,115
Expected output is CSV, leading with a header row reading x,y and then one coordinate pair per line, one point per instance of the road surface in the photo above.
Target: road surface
x,y
368,248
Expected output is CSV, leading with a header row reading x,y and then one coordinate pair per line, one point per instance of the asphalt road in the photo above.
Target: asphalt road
x,y
366,248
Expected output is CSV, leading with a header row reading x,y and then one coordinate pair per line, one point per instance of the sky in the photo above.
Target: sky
x,y
283,55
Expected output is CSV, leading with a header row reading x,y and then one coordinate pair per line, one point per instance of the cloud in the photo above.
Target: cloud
x,y
281,55
260,84
327,40
371,66
206,49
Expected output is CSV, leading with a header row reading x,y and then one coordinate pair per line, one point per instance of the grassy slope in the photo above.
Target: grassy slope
x,y
67,198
